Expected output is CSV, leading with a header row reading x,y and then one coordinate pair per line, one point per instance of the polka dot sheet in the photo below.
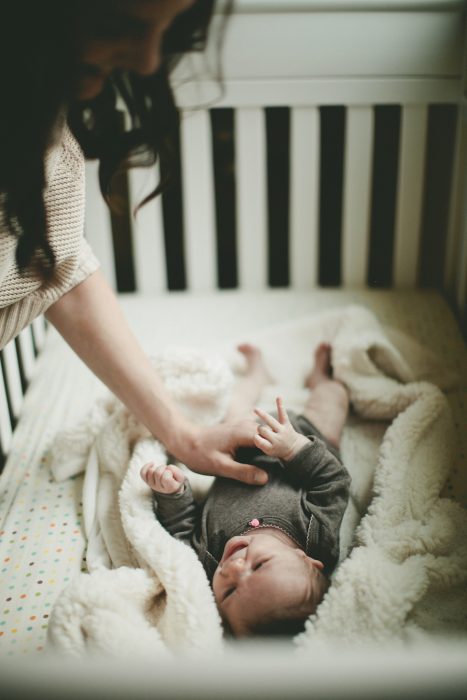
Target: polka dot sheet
x,y
41,529
41,532
42,546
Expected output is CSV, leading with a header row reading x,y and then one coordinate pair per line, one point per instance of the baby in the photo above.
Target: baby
x,y
268,550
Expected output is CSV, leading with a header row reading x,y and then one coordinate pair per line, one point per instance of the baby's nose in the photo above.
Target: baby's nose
x,y
238,568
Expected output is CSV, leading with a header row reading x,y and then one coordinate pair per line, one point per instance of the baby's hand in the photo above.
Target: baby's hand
x,y
278,438
166,478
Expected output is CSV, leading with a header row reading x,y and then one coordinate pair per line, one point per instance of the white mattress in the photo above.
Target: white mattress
x,y
42,544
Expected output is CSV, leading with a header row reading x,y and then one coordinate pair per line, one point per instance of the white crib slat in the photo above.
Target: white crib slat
x,y
304,188
5,425
148,232
27,351
250,165
357,193
409,198
455,267
38,326
97,224
461,289
198,201
13,377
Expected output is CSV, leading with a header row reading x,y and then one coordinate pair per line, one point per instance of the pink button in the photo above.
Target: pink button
x,y
254,523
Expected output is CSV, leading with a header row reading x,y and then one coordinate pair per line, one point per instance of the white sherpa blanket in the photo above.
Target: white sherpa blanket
x,y
147,594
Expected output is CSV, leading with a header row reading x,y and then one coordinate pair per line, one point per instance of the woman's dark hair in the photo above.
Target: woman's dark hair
x,y
39,45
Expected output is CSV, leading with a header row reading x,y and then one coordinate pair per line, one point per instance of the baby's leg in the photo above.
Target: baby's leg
x,y
248,389
328,403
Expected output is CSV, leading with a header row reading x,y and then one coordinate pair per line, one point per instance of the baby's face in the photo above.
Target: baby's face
x,y
260,573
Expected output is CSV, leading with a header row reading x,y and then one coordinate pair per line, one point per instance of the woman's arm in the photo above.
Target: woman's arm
x,y
90,319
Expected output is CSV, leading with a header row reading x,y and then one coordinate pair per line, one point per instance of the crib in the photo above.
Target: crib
x,y
325,165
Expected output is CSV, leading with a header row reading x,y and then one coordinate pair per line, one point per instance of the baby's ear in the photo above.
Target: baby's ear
x,y
317,563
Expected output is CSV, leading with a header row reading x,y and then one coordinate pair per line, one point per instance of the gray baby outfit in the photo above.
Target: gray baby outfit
x,y
305,498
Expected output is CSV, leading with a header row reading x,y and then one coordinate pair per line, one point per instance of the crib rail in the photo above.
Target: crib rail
x,y
17,361
354,196
330,158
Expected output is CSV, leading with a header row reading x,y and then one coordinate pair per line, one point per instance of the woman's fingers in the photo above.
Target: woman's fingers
x,y
230,469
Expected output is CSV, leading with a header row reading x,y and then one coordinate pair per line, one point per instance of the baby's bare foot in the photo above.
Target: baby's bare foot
x,y
321,370
255,362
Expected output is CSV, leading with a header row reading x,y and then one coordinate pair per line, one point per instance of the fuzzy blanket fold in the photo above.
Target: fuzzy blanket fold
x,y
147,593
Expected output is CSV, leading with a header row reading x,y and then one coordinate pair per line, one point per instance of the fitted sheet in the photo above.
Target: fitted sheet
x,y
41,528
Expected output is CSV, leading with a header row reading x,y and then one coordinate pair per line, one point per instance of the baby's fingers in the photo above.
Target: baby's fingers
x,y
167,481
146,472
281,412
177,473
267,433
155,476
268,419
263,444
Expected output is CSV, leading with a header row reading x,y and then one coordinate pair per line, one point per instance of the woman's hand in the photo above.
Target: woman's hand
x,y
90,320
278,438
210,450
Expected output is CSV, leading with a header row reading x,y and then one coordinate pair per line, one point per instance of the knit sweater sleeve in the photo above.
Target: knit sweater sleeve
x,y
24,296
16,316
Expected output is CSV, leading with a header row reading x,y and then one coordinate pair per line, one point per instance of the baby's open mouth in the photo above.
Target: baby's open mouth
x,y
231,548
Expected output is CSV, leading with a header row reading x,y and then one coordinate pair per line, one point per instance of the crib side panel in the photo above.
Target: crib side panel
x,y
17,364
455,272
377,81
351,56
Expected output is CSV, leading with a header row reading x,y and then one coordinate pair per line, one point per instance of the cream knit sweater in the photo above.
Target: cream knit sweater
x,y
23,297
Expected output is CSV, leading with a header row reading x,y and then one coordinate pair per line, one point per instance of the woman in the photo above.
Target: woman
x,y
61,64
